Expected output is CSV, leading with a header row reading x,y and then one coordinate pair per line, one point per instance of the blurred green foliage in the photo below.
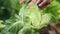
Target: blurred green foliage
x,y
17,19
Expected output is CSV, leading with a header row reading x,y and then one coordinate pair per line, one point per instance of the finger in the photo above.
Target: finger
x,y
38,1
22,1
43,2
45,6
31,3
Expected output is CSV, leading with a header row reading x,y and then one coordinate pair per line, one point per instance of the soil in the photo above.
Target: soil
x,y
51,29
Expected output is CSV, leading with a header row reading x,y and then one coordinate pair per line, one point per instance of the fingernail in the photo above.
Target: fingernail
x,y
39,4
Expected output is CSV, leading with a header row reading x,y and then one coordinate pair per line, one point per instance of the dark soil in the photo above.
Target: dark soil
x,y
51,29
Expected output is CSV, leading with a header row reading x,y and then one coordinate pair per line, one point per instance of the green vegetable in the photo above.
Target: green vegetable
x,y
26,21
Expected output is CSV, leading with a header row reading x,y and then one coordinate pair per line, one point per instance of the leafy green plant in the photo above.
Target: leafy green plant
x,y
26,21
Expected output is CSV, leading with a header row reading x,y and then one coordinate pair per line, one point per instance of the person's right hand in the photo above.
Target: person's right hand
x,y
41,3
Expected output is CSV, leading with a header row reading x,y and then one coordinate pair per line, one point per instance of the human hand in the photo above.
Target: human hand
x,y
41,3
